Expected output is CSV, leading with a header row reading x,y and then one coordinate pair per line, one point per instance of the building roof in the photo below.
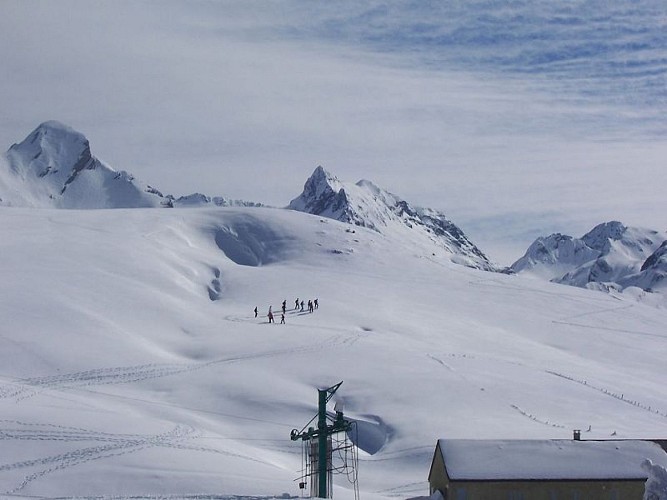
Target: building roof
x,y
489,460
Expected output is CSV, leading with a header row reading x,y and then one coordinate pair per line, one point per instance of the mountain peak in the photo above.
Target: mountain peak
x,y
611,255
53,153
57,127
47,148
54,167
367,205
323,194
599,237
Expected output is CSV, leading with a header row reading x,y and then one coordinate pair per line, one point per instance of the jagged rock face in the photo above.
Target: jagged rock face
x,y
554,255
653,273
323,194
607,257
365,204
600,236
54,153
657,258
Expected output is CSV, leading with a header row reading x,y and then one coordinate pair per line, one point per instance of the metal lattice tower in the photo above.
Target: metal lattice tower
x,y
323,437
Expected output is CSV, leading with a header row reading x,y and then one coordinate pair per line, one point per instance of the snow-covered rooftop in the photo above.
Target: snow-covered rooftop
x,y
471,459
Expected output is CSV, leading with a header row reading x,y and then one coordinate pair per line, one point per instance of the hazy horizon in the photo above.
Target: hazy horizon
x,y
515,119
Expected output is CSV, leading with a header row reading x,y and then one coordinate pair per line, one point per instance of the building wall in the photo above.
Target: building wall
x,y
543,490
437,477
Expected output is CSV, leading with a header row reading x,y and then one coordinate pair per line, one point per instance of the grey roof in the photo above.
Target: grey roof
x,y
470,459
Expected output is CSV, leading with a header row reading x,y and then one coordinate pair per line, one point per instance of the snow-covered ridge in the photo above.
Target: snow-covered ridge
x,y
610,256
367,205
55,168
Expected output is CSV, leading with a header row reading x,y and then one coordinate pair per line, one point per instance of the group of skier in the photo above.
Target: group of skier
x,y
312,305
298,306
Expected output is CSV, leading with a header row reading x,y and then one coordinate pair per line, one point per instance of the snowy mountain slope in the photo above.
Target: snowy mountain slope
x,y
132,364
554,255
652,274
604,257
54,168
365,204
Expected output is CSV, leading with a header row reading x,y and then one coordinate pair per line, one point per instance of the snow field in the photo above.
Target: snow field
x,y
132,364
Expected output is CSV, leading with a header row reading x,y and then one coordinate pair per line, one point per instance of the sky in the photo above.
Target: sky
x,y
515,118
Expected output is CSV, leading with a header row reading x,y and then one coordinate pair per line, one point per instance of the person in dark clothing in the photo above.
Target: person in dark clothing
x,y
310,306
271,317
296,304
316,304
282,319
302,306
255,311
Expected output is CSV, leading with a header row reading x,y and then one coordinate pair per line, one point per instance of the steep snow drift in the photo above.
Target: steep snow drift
x,y
133,366
249,241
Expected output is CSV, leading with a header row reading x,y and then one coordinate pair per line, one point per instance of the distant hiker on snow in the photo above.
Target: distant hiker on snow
x,y
255,311
270,316
296,304
316,304
310,306
282,319
284,306
302,306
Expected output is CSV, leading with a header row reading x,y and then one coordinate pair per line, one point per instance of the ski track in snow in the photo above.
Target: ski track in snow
x,y
116,445
517,408
495,283
566,320
120,445
21,389
615,395
612,394
401,490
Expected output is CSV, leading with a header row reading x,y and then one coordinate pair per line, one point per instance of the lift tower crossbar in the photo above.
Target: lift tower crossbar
x,y
322,433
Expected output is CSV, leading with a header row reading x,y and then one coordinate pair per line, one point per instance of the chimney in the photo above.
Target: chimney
x,y
577,435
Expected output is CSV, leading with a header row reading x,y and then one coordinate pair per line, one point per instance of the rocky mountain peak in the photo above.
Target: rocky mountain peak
x,y
610,256
54,167
52,150
599,237
367,205
656,258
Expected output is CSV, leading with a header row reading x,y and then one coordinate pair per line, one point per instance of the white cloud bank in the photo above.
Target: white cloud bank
x,y
515,120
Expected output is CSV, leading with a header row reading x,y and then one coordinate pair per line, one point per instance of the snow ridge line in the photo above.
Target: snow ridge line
x,y
620,397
